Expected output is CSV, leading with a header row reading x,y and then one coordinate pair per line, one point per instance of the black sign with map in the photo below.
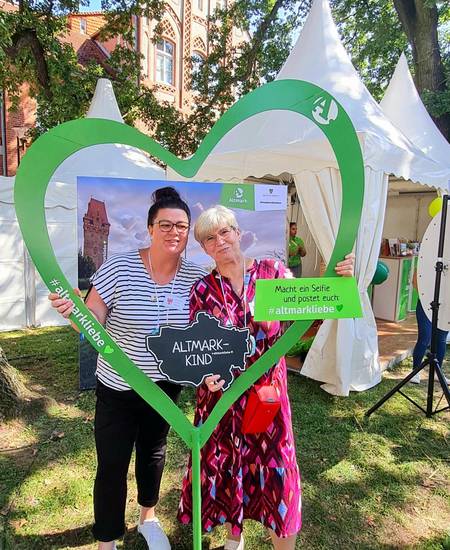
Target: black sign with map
x,y
186,355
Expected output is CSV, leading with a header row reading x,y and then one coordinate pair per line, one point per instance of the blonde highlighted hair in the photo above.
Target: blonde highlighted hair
x,y
213,219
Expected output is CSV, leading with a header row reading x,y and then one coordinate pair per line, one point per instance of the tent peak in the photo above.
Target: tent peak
x,y
104,103
403,106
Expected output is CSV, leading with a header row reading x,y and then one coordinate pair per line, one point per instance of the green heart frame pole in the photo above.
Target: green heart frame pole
x,y
52,148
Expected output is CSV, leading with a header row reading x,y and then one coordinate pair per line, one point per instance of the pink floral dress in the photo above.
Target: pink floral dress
x,y
245,476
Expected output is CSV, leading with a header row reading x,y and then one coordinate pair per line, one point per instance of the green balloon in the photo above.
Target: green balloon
x,y
381,273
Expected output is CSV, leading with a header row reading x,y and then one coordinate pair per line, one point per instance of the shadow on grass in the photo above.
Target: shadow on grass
x,y
356,471
71,538
49,361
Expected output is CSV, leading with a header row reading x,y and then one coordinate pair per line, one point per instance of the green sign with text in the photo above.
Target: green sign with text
x,y
238,196
292,299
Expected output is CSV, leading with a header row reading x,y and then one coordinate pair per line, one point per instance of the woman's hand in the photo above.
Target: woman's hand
x,y
63,305
213,384
346,268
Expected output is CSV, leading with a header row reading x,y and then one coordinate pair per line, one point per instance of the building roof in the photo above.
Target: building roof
x,y
87,13
85,47
97,209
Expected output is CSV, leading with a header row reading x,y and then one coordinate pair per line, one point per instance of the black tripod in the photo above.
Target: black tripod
x,y
431,358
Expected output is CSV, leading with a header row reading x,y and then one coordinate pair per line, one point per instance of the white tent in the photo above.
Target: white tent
x,y
345,353
404,108
23,295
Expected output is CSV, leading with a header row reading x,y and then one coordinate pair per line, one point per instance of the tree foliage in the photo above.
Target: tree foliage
x,y
31,50
86,266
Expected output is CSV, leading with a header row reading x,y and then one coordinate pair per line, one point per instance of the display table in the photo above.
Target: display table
x,y
394,298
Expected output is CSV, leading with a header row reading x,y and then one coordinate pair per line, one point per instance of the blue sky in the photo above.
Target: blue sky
x,y
94,5
127,202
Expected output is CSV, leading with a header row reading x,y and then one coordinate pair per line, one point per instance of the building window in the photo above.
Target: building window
x,y
83,26
200,5
165,61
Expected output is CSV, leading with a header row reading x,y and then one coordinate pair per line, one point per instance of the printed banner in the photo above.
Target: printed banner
x,y
112,219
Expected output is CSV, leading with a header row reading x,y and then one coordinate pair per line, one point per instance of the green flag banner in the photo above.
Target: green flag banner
x,y
308,298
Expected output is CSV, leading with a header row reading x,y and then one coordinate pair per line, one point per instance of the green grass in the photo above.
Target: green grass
x,y
375,483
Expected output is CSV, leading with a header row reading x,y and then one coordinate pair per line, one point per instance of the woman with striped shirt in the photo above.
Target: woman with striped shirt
x,y
133,294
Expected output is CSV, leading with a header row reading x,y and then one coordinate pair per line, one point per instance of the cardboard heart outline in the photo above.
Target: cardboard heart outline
x,y
62,141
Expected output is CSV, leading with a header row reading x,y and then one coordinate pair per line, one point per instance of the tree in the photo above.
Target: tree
x,y
12,389
372,31
31,50
86,266
420,21
375,32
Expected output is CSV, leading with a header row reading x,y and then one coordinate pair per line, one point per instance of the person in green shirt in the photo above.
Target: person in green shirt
x,y
296,251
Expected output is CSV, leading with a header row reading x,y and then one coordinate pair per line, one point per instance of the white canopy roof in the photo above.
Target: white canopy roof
x,y
277,142
404,108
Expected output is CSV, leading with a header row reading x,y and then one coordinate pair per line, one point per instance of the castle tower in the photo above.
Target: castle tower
x,y
96,232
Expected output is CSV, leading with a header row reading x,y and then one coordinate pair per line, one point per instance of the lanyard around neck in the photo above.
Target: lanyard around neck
x,y
158,313
246,281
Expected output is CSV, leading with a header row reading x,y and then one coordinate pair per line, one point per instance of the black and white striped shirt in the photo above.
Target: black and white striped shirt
x,y
136,305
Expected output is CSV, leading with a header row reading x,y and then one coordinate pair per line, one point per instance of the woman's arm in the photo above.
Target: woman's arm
x,y
94,303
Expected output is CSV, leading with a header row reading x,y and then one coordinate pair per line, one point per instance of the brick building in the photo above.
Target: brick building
x,y
96,232
166,65
14,125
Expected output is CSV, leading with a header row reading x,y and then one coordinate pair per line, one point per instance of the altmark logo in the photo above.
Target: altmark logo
x,y
238,196
325,110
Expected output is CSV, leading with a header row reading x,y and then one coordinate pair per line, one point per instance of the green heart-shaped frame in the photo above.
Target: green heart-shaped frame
x,y
52,148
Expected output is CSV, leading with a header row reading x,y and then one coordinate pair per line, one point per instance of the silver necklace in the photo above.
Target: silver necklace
x,y
155,330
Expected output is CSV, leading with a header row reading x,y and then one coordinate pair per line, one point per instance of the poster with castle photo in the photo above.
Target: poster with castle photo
x,y
112,219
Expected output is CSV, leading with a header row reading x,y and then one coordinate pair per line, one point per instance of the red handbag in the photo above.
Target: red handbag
x,y
262,406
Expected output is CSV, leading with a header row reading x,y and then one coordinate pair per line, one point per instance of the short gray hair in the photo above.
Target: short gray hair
x,y
212,219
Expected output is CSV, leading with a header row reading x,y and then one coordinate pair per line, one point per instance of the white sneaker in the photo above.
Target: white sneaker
x,y
234,544
416,379
154,535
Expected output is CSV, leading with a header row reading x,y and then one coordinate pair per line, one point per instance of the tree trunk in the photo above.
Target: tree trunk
x,y
12,389
419,19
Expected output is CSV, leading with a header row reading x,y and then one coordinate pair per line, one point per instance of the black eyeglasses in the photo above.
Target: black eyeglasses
x,y
166,226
